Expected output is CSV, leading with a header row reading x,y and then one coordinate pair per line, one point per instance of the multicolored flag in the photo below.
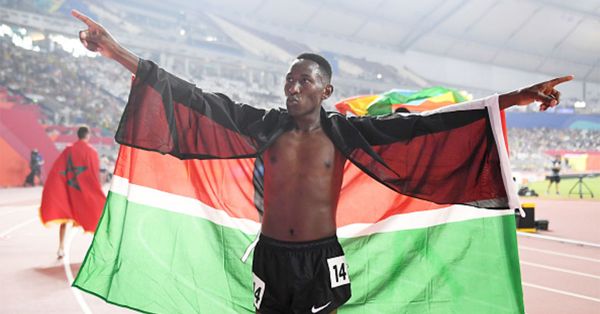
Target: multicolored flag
x,y
72,191
413,101
174,230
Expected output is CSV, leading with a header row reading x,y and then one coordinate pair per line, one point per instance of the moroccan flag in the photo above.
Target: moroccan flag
x,y
174,230
414,101
72,191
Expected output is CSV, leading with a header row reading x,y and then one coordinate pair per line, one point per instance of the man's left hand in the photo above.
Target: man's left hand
x,y
543,92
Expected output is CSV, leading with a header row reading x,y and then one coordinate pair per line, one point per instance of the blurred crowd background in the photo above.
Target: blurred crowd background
x,y
49,85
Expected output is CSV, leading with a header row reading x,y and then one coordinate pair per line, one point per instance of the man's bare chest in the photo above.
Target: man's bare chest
x,y
301,154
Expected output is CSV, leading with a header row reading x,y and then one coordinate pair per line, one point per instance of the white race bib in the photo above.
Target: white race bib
x,y
338,271
258,287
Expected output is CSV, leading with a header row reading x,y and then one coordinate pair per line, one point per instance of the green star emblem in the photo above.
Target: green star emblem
x,y
72,172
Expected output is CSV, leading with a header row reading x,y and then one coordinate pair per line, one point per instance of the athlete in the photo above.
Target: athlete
x,y
299,266
73,191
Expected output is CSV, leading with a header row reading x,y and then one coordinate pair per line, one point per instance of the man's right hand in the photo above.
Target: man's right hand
x,y
97,39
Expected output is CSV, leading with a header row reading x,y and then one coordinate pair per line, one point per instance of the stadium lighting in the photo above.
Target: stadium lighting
x,y
379,76
466,95
182,32
5,30
72,46
37,36
579,104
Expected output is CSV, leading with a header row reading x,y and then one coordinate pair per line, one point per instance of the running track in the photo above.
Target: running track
x,y
561,272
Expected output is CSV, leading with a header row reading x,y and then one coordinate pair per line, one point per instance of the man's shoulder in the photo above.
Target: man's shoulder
x,y
82,145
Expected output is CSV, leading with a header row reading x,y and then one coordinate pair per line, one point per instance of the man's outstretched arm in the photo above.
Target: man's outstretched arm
x,y
190,124
97,39
543,92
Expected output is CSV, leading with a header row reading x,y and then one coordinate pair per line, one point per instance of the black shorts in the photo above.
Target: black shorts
x,y
554,178
299,277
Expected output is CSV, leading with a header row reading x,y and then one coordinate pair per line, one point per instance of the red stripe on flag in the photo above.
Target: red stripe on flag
x,y
227,185
364,200
224,184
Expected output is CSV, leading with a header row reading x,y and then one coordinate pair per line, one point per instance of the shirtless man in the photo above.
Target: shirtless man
x,y
298,256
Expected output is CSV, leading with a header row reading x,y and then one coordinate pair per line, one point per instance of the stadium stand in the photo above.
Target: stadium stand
x,y
72,90
531,148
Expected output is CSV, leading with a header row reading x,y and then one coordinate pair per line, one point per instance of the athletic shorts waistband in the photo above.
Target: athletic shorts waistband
x,y
299,245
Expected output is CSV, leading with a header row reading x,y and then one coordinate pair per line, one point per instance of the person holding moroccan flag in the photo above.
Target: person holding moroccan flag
x,y
72,192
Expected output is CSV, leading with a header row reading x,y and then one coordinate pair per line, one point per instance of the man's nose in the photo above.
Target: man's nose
x,y
293,88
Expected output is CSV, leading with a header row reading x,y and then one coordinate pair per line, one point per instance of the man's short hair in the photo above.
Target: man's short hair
x,y
83,131
324,65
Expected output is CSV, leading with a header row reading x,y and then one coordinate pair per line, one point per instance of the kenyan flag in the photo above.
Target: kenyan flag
x,y
174,230
173,233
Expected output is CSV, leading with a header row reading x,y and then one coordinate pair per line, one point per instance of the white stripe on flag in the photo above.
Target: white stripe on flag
x,y
421,219
193,207
180,204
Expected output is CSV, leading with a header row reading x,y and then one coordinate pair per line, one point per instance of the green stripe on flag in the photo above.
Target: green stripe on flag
x,y
383,104
462,267
160,261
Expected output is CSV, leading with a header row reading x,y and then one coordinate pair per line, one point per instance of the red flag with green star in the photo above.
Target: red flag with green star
x,y
72,191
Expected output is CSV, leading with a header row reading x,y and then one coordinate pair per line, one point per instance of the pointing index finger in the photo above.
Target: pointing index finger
x,y
82,17
560,80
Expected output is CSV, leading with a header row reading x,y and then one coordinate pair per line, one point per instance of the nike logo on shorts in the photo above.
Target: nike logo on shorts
x,y
318,309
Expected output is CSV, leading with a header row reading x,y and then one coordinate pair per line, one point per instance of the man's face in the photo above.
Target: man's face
x,y
305,88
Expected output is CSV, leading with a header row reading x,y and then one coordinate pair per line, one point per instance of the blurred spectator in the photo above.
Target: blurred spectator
x,y
106,167
35,164
555,175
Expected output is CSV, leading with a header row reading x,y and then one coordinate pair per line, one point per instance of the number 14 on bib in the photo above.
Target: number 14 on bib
x,y
338,271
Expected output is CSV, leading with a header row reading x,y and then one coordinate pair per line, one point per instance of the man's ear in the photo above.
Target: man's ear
x,y
327,92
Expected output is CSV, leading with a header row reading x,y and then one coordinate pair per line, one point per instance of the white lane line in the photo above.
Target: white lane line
x,y
10,212
571,294
562,270
21,204
557,239
16,227
67,265
23,209
583,258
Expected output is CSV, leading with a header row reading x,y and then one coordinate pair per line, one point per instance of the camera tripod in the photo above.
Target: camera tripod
x,y
581,185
